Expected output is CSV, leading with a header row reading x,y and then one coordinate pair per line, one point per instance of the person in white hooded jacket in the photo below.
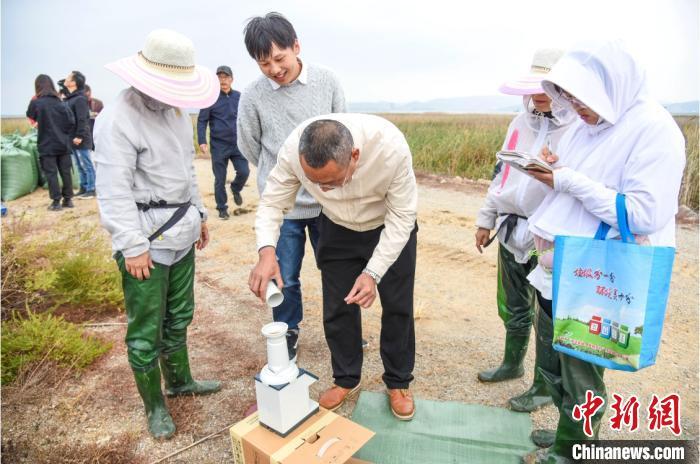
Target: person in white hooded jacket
x,y
512,197
624,142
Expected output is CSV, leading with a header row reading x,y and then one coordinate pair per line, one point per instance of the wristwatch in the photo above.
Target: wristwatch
x,y
373,275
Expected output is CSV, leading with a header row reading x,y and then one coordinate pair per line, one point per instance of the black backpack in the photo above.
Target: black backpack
x,y
66,123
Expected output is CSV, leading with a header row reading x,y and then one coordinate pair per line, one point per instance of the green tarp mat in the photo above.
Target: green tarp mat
x,y
442,432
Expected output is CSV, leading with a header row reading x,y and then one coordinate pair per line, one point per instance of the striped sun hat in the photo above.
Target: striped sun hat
x,y
531,84
165,70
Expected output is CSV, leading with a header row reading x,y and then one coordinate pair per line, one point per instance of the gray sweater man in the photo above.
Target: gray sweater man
x,y
268,113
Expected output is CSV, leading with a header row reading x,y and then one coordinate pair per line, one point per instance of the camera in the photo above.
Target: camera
x,y
62,87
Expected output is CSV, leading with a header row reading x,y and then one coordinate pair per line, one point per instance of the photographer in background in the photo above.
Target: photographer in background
x,y
82,137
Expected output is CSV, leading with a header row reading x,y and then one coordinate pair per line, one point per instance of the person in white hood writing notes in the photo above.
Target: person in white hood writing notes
x,y
624,142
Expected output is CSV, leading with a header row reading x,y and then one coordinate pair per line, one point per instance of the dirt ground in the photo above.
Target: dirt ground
x,y
97,416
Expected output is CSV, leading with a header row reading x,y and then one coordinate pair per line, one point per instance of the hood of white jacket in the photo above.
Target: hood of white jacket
x,y
603,75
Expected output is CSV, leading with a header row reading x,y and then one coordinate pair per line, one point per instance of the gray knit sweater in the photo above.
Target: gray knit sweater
x,y
266,117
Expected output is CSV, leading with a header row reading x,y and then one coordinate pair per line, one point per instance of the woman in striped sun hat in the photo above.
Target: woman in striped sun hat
x,y
150,204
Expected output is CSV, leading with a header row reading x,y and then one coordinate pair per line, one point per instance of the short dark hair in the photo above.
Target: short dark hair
x,y
262,31
79,79
325,140
87,88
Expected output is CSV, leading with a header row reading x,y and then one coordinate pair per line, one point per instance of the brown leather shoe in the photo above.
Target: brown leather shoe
x,y
334,397
401,401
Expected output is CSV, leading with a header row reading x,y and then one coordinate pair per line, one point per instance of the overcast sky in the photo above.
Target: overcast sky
x,y
389,50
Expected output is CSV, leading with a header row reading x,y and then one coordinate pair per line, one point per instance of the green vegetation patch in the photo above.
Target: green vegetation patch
x,y
61,270
39,337
48,272
78,277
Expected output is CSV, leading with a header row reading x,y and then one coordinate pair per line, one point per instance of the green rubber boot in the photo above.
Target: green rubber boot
x,y
538,395
512,365
178,379
567,380
534,398
543,438
160,424
577,377
548,370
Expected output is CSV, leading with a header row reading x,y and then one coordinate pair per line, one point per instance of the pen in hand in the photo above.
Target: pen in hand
x,y
547,154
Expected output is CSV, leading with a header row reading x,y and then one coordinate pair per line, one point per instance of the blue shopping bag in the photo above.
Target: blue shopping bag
x,y
609,297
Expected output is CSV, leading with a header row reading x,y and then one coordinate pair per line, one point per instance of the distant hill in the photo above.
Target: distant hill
x,y
477,104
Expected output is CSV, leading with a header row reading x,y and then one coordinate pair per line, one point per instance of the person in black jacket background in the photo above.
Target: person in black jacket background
x,y
55,125
221,118
82,135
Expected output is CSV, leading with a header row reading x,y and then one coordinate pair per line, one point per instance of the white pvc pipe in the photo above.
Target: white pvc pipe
x,y
273,295
277,355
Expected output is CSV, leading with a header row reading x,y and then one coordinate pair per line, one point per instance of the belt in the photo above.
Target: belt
x,y
162,204
509,222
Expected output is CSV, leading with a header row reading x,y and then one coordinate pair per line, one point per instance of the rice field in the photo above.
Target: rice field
x,y
464,144
690,190
454,145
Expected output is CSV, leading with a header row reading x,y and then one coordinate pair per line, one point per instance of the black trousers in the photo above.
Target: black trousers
x,y
52,165
341,255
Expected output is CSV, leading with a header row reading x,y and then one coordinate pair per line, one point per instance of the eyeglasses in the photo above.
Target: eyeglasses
x,y
333,186
571,99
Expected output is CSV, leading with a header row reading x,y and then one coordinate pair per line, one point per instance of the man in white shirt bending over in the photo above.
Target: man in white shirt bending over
x,y
359,168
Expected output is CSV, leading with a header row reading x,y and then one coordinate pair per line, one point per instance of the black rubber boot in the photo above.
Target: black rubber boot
x,y
160,424
178,379
512,365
